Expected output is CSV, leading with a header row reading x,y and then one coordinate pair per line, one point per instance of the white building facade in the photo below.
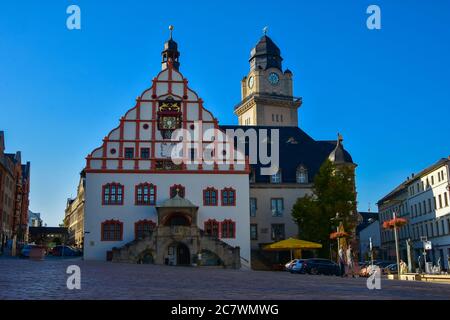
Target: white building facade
x,y
131,177
424,201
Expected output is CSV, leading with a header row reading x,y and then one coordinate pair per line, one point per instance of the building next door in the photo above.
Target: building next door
x,y
179,255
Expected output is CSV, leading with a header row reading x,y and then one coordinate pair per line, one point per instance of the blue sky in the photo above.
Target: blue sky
x,y
387,91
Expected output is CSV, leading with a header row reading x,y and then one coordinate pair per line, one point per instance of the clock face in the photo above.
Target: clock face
x,y
169,122
251,82
273,78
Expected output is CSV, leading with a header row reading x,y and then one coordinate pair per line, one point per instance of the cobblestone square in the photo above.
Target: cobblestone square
x,y
103,280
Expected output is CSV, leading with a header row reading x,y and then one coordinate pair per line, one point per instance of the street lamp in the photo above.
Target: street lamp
x,y
397,255
396,246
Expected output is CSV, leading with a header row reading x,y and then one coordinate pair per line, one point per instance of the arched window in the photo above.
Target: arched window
x,y
212,228
177,189
145,194
276,178
210,197
302,175
112,230
143,228
112,194
228,229
228,197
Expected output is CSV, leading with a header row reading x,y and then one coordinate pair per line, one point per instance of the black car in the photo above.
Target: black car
x,y
318,266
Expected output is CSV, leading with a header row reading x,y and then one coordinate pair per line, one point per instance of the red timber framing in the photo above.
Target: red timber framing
x,y
112,230
118,158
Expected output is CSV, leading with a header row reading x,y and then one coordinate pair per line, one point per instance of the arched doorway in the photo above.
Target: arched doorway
x,y
177,219
178,255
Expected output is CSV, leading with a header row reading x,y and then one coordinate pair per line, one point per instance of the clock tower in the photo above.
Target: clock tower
x,y
266,92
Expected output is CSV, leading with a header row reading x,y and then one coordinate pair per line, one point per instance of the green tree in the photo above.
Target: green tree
x,y
333,192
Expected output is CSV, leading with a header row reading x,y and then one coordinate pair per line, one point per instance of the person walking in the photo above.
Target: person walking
x,y
350,262
403,267
341,261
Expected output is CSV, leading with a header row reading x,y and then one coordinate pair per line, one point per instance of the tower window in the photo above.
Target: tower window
x,y
302,175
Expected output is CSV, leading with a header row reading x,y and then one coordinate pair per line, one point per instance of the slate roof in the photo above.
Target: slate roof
x,y
296,148
368,218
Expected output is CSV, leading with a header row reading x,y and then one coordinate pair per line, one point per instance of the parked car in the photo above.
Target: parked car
x,y
65,251
390,269
297,266
25,252
290,264
316,266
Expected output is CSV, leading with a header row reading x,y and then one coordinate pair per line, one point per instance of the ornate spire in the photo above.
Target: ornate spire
x,y
170,53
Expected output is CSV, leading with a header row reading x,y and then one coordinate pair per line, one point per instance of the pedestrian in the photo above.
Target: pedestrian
x,y
403,267
341,261
350,262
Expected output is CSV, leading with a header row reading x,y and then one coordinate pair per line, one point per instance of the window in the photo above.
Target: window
x,y
253,232
445,199
276,178
429,205
228,197
210,197
143,228
112,230
145,194
212,228
145,153
177,189
277,232
252,175
276,205
112,194
253,207
129,153
432,180
440,201
228,228
302,175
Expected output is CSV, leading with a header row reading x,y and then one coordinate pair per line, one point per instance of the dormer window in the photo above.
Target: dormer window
x,y
302,175
276,178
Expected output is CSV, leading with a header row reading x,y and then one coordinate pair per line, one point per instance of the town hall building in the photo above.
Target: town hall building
x,y
143,207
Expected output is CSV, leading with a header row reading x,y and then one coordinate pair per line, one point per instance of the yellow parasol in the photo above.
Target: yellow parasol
x,y
292,244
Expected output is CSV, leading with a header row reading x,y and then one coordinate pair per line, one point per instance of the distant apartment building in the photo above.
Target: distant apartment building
x,y
34,219
14,195
74,215
424,200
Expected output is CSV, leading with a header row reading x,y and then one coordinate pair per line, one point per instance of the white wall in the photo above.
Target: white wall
x,y
129,213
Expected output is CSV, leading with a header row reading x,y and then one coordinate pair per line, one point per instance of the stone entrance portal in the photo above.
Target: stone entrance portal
x,y
177,240
178,255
